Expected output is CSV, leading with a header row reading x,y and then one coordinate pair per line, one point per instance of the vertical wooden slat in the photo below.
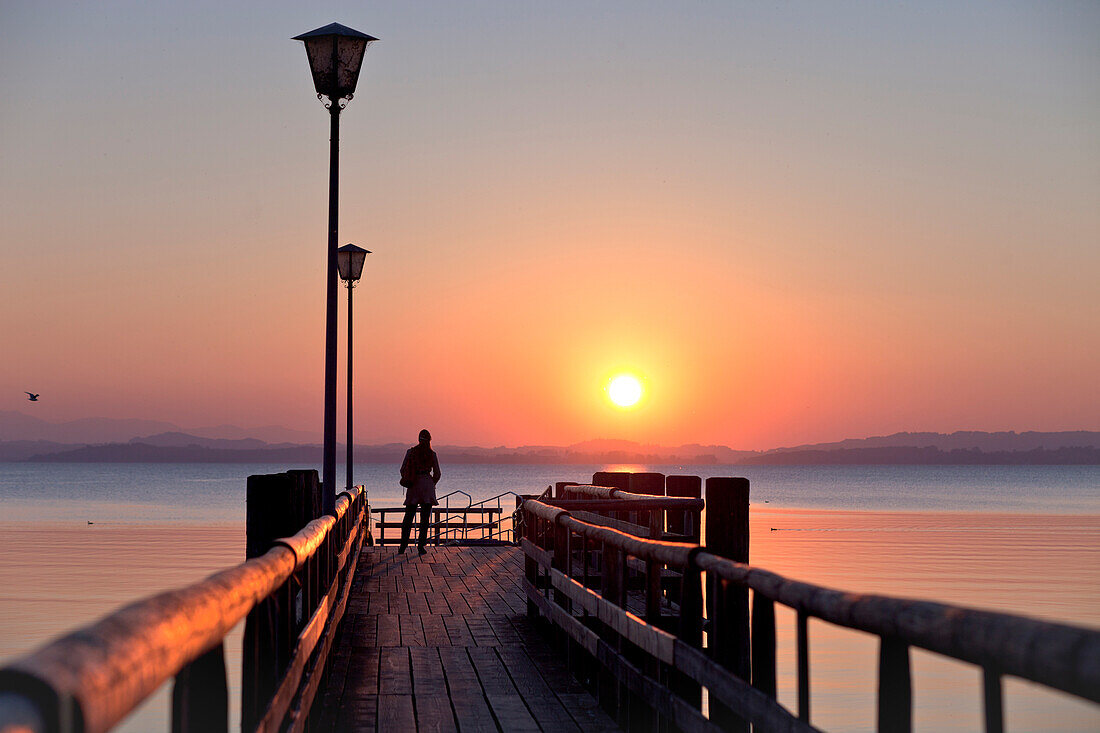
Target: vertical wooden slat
x,y
200,695
763,644
994,703
803,668
653,571
690,631
895,689
560,562
612,589
530,565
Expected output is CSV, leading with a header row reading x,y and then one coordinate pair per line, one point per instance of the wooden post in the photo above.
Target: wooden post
x,y
653,572
200,697
993,701
274,508
613,589
727,602
561,561
530,565
308,490
763,644
646,483
803,667
614,479
895,689
680,522
690,631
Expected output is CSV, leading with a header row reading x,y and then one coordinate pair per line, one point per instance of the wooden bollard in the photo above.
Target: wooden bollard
x,y
307,487
277,505
614,479
646,483
727,602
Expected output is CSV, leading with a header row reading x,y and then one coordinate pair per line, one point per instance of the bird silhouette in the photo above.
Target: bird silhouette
x,y
32,397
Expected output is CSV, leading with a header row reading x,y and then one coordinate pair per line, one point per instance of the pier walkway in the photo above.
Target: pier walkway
x,y
443,642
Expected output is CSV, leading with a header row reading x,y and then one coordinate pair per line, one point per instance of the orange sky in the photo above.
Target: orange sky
x,y
794,225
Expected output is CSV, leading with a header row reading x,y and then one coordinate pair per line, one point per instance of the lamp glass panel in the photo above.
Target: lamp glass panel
x,y
349,54
343,264
319,53
357,260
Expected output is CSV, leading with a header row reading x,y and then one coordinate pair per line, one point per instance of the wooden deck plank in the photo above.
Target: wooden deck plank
x,y
396,713
433,705
470,706
504,698
540,699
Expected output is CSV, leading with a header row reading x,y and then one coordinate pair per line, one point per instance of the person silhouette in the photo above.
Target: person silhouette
x,y
422,465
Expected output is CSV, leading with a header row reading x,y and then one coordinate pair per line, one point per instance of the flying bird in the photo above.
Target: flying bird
x,y
32,397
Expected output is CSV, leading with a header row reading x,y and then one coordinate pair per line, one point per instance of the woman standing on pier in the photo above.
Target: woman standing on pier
x,y
421,469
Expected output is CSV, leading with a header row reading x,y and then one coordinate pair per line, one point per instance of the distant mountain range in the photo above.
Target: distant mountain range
x,y
105,440
19,426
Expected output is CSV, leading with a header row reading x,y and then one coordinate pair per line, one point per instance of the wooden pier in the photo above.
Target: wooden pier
x,y
443,643
607,609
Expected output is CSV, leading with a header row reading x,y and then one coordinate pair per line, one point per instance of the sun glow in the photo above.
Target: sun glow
x,y
624,390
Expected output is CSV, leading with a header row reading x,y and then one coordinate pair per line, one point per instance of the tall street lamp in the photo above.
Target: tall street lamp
x,y
335,54
349,260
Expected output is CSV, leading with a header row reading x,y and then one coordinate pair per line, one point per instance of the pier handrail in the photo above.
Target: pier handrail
x,y
1058,656
495,527
90,679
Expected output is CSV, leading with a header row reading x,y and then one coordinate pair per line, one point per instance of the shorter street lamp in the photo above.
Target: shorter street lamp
x,y
349,262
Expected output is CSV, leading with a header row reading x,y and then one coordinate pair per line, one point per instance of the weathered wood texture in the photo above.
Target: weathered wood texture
x,y
1064,657
645,662
91,679
443,643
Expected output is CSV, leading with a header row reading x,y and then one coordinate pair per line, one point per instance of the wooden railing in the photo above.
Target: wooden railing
x,y
293,594
604,585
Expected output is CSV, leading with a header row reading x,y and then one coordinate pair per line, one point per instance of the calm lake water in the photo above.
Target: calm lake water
x,y
1020,539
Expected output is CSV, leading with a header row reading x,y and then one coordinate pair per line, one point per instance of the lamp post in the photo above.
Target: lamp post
x,y
335,54
349,260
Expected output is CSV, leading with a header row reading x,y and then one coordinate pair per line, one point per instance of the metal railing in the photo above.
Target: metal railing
x,y
483,522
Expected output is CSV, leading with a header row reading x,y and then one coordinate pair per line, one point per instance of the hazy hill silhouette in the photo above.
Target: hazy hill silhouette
x,y
24,437
965,440
18,426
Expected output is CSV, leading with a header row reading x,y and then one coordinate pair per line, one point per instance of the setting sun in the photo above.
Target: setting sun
x,y
624,390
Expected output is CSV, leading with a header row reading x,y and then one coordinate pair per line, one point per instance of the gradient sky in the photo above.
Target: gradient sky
x,y
794,221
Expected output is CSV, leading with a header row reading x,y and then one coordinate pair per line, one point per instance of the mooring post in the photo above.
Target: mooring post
x,y
308,490
276,505
614,479
727,602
